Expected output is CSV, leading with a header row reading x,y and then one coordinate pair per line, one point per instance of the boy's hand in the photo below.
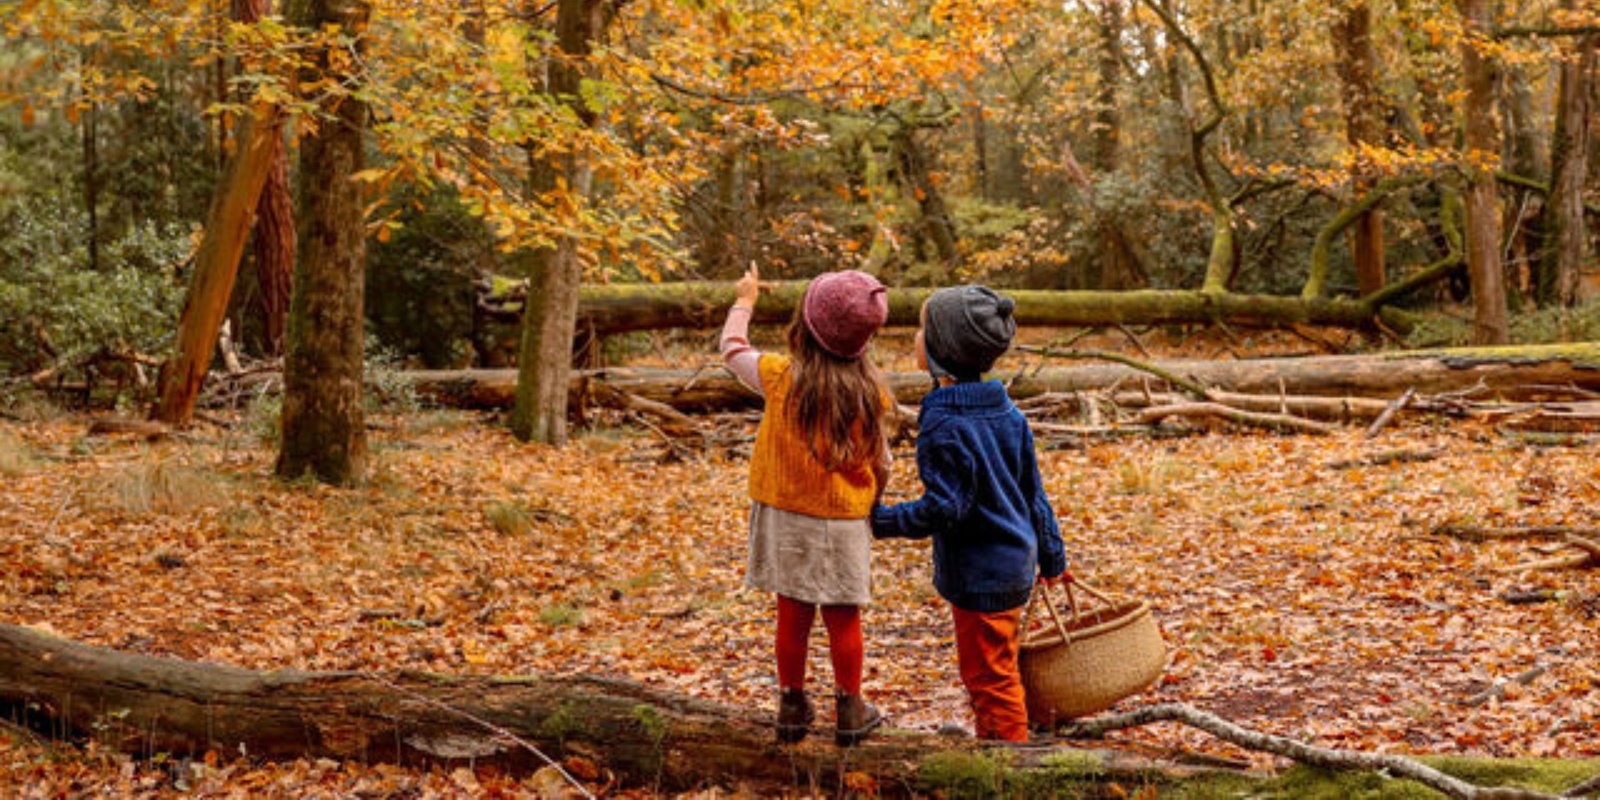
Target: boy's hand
x,y
748,288
1059,580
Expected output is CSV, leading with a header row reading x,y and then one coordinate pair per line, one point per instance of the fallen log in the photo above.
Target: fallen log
x,y
1528,373
619,308
648,736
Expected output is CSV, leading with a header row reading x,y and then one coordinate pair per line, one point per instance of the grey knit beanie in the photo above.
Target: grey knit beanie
x,y
965,330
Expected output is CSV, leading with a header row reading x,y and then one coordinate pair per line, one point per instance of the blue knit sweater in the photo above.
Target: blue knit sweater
x,y
983,501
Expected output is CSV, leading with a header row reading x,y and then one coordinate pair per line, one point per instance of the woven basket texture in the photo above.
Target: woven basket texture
x,y
1105,655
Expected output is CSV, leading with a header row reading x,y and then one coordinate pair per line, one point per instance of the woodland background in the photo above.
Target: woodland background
x,y
436,185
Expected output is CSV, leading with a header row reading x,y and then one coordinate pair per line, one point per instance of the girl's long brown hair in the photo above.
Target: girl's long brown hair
x,y
837,403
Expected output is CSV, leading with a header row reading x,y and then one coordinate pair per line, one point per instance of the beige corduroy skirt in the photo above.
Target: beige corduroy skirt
x,y
810,559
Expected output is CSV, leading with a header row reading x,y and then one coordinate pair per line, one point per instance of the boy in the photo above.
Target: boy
x,y
983,502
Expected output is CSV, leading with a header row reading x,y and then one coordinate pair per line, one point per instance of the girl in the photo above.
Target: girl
x,y
820,462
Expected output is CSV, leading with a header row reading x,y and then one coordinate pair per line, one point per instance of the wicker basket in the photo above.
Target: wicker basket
x,y
1077,665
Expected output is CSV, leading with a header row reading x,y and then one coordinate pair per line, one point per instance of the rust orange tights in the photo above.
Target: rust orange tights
x,y
844,643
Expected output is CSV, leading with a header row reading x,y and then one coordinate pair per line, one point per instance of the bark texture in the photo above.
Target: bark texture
x,y
1481,149
324,432
619,308
1564,221
216,265
1363,112
1531,373
545,353
274,242
650,737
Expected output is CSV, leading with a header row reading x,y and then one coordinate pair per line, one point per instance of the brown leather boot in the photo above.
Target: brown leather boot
x,y
794,715
856,719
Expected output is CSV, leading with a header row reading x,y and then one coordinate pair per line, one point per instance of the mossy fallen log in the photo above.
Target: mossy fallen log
x,y
619,308
1526,373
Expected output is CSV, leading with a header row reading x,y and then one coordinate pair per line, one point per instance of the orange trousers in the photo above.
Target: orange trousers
x,y
986,651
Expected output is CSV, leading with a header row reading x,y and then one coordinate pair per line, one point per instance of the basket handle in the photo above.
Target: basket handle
x,y
1072,603
1050,606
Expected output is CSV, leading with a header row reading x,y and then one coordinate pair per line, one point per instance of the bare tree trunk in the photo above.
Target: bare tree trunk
x,y
1484,265
1224,249
91,170
1118,265
216,265
545,354
1565,227
912,161
324,432
1363,128
274,242
274,246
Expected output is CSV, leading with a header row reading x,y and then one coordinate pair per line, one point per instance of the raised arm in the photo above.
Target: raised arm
x,y
741,357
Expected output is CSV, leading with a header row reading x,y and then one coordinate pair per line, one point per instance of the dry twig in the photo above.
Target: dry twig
x,y
1300,751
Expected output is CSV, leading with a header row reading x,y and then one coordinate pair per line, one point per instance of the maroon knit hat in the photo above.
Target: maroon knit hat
x,y
843,309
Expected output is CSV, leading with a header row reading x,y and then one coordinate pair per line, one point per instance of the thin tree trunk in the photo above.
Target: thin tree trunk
x,y
274,242
1363,129
91,172
323,431
1565,225
914,170
274,246
1484,264
1118,265
545,352
1224,250
216,265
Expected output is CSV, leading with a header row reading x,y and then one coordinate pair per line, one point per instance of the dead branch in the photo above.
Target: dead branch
x,y
1561,562
1193,388
1299,751
611,396
1388,413
1276,422
1483,533
1585,544
1497,689
1586,789
1386,458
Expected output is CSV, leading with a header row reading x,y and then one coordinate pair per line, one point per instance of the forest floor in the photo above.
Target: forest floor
x,y
1305,588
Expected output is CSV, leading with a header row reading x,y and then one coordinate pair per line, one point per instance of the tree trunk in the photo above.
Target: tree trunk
x,y
1224,249
1531,373
1117,262
915,171
619,308
323,430
274,241
544,357
1564,225
1480,146
647,736
1363,111
216,265
1355,215
91,169
274,246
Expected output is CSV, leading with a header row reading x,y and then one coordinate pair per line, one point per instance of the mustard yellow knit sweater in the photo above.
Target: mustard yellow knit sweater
x,y
784,474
